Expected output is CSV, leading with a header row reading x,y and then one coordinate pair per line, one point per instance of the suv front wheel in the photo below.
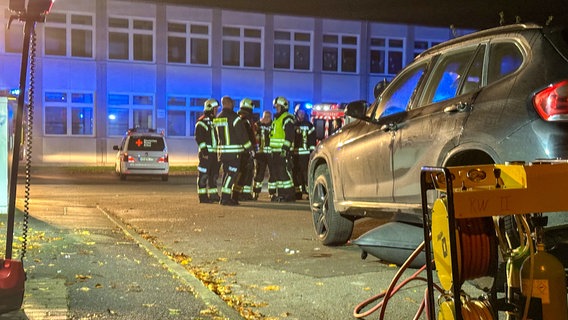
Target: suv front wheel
x,y
331,227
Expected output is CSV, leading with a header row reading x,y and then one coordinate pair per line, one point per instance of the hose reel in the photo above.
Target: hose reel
x,y
466,238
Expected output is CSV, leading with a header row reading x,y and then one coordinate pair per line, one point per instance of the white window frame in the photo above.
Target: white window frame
x,y
188,109
69,105
69,26
131,32
430,44
188,36
292,43
242,40
339,45
131,107
387,49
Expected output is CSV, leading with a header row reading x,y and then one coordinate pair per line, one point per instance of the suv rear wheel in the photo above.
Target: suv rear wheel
x,y
331,227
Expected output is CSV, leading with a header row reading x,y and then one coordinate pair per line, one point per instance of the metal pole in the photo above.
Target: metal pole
x,y
13,179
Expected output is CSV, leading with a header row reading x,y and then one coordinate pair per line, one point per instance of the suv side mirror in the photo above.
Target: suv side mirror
x,y
357,109
380,87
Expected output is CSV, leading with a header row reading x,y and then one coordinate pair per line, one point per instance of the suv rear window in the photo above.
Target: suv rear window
x,y
504,58
146,143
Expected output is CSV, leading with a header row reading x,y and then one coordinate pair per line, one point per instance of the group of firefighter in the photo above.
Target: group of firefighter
x,y
245,148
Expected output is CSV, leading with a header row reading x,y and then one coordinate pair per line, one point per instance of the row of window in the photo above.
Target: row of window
x,y
132,39
73,114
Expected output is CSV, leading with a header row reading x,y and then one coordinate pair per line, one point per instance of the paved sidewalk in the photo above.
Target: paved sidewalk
x,y
84,264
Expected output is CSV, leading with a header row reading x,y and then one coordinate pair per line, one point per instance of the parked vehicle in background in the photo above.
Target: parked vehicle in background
x,y
327,118
489,97
142,152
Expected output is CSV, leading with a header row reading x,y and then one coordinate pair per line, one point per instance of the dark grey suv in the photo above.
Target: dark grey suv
x,y
489,97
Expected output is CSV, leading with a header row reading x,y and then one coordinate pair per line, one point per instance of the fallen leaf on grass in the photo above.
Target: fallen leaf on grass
x,y
183,289
82,277
271,288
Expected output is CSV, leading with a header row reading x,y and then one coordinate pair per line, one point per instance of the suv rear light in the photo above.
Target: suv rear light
x,y
551,103
128,158
163,159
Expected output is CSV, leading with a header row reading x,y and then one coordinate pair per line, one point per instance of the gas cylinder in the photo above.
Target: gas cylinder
x,y
514,264
548,283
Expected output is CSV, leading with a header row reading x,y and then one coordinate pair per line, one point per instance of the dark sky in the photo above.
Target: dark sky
x,y
474,14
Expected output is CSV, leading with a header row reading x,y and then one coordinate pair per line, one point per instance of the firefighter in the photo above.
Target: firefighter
x,y
263,155
232,141
208,167
242,189
281,140
304,144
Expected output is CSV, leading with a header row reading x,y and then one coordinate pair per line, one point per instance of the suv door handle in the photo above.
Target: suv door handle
x,y
389,127
458,107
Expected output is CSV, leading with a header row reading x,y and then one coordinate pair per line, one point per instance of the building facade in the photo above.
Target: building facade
x,y
105,66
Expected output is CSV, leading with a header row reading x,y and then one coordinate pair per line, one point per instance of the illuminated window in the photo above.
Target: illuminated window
x,y
242,47
292,50
387,55
340,53
183,113
187,37
69,113
127,111
423,45
69,34
131,39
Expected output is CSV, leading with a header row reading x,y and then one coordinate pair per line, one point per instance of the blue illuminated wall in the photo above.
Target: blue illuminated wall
x,y
164,84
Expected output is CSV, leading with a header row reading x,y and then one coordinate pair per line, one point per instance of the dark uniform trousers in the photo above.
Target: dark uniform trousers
x,y
262,161
231,163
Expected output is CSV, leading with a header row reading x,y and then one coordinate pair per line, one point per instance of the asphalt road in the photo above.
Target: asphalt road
x,y
261,258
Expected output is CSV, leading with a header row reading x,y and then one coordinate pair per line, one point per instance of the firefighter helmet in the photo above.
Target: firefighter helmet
x,y
210,105
246,105
282,102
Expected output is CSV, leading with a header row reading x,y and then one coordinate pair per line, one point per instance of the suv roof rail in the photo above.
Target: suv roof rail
x,y
482,33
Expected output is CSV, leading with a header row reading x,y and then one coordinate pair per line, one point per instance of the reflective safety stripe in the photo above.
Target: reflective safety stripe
x,y
287,184
247,189
201,169
265,150
202,191
231,149
212,191
200,123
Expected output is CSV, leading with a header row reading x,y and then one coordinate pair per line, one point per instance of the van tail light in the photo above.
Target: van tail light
x,y
163,159
551,103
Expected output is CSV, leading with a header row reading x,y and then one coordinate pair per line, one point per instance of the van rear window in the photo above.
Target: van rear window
x,y
148,143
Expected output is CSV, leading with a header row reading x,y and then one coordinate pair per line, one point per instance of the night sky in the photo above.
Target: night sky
x,y
473,14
